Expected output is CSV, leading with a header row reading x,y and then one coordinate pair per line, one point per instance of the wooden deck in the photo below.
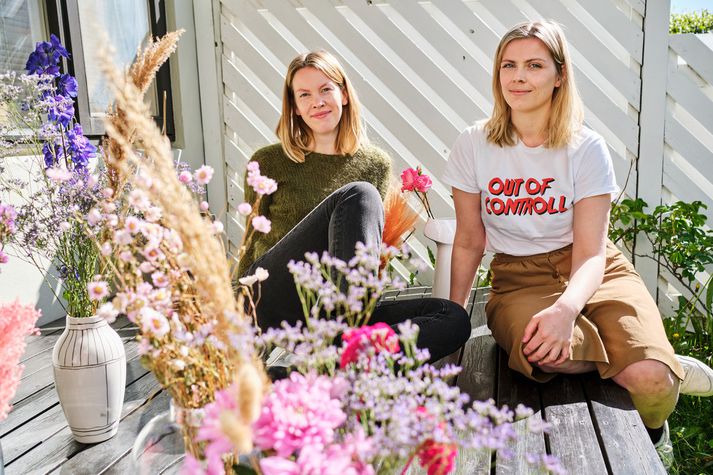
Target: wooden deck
x,y
595,428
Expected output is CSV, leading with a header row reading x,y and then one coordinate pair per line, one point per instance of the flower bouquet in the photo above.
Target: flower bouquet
x,y
56,188
358,400
413,179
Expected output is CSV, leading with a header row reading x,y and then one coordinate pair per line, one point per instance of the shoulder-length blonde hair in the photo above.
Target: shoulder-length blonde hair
x,y
566,114
292,131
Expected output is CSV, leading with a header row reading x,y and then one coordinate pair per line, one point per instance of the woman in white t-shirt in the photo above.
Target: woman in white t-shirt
x,y
534,186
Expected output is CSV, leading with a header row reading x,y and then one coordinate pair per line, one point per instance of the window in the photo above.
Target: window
x,y
21,26
81,25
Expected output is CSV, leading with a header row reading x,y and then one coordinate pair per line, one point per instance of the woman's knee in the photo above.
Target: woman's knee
x,y
647,378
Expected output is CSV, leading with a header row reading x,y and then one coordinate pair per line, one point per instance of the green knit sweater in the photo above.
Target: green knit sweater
x,y
302,186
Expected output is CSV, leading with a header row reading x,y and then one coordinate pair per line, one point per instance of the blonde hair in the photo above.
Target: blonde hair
x,y
292,131
566,114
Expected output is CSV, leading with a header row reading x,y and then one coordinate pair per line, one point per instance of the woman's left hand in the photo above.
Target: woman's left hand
x,y
548,336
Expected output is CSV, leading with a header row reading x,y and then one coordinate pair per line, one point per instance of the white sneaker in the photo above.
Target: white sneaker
x,y
698,380
664,448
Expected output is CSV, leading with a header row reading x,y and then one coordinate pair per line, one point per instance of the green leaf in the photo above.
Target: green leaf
x,y
431,257
709,297
244,470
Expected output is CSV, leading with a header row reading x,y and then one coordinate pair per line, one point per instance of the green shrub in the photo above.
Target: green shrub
x,y
694,22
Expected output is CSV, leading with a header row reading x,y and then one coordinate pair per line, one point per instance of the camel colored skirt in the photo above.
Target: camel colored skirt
x,y
620,324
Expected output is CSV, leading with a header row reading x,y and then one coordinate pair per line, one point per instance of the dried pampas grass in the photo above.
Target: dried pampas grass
x,y
141,74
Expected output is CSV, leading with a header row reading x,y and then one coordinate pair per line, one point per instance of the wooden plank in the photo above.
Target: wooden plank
x,y
681,186
690,96
623,436
626,32
572,437
651,123
514,389
61,446
478,362
98,457
696,51
48,421
688,146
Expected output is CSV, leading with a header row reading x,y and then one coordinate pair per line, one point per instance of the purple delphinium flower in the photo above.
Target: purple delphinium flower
x,y
46,57
60,110
67,86
79,148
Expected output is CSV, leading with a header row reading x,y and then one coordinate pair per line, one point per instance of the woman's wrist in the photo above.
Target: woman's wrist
x,y
567,308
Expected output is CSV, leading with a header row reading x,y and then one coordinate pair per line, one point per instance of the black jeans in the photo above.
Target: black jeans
x,y
353,213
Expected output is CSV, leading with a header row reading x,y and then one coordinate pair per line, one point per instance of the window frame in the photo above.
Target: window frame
x,y
63,20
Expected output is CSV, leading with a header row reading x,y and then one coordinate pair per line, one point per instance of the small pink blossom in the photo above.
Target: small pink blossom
x,y
132,224
146,267
94,217
159,279
437,457
108,206
185,177
204,206
203,175
245,209
64,226
107,192
106,249
261,224
4,258
408,179
423,183
126,256
152,214
97,290
153,323
58,174
379,336
107,312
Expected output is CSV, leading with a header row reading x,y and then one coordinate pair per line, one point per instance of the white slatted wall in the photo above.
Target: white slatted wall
x,y
423,72
688,132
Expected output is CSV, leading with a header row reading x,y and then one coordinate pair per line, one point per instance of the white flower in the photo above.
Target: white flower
x,y
153,323
107,192
152,214
126,256
107,312
159,279
106,249
97,290
262,224
93,217
146,267
248,280
64,226
58,174
204,174
180,365
261,274
108,206
244,209
217,227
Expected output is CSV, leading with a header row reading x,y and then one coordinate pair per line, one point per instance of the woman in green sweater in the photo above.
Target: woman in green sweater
x,y
331,183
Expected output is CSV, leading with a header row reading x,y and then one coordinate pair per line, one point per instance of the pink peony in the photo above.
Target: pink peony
x,y
300,410
16,322
379,336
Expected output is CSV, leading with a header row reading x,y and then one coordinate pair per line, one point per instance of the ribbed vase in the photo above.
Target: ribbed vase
x,y
90,376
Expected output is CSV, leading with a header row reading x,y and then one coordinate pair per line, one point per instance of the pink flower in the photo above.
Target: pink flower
x,y
379,336
438,458
279,466
408,179
153,323
299,410
244,209
16,322
422,183
58,174
217,227
97,290
261,224
185,177
93,217
4,258
203,175
204,206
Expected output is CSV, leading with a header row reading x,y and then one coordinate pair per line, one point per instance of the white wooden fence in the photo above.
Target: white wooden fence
x,y
423,73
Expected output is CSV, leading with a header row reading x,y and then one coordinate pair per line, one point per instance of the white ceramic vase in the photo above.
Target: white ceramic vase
x,y
90,376
442,232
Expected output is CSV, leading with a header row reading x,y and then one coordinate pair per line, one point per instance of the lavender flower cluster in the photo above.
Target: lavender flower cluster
x,y
328,286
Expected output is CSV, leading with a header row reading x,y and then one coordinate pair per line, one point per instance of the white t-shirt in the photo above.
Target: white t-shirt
x,y
527,193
